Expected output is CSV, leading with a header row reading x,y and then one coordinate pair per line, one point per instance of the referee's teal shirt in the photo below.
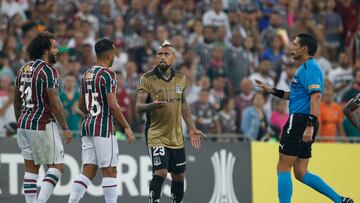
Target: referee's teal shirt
x,y
307,80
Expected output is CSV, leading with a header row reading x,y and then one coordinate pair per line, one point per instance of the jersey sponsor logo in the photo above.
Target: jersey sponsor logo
x,y
89,76
178,90
223,163
313,86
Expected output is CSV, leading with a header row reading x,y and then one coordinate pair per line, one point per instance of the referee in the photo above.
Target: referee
x,y
301,128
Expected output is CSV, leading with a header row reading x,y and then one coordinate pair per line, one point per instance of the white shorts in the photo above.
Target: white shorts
x,y
100,151
42,146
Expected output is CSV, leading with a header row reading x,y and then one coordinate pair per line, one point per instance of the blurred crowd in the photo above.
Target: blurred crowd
x,y
221,46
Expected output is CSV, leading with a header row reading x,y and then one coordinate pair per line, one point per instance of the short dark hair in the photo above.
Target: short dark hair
x,y
102,46
309,41
39,45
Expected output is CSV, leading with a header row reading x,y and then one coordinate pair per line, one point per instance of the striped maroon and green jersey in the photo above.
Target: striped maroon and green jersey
x,y
96,83
32,81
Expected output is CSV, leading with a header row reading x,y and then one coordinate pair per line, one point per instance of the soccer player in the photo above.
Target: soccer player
x,y
161,94
37,107
300,130
351,106
99,145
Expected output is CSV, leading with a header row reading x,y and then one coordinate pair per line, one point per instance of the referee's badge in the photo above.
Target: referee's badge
x,y
178,90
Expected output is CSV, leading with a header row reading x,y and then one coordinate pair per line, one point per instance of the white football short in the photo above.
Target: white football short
x,y
100,151
42,146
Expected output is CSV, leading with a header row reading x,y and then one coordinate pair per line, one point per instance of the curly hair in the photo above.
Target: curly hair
x,y
39,45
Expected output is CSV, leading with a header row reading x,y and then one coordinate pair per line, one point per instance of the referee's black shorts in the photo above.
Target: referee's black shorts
x,y
291,141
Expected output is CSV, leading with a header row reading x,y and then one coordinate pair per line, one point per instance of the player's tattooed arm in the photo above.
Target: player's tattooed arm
x,y
57,108
349,108
17,104
186,114
195,134
82,105
58,111
142,106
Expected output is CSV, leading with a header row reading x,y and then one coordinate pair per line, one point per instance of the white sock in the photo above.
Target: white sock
x,y
30,187
109,186
51,178
78,188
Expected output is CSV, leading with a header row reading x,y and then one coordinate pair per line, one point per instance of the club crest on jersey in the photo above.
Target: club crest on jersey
x,y
178,90
89,76
27,69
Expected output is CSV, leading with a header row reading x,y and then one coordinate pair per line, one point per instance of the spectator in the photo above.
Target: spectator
x,y
331,116
279,117
217,92
286,76
7,114
142,54
216,65
324,63
307,24
87,57
333,25
269,33
86,15
216,17
263,74
196,36
250,53
132,77
205,48
121,56
123,98
341,77
349,12
221,39
355,87
255,120
237,64
227,117
243,100
11,7
70,97
62,61
204,114
276,51
176,25
119,28
162,34
4,69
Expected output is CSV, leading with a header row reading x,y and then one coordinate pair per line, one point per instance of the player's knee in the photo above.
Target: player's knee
x,y
299,174
60,167
178,177
89,170
31,167
109,172
283,167
161,173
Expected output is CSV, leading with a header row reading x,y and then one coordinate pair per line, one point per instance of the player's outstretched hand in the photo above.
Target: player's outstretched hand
x,y
67,136
130,135
308,134
263,86
159,104
195,138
